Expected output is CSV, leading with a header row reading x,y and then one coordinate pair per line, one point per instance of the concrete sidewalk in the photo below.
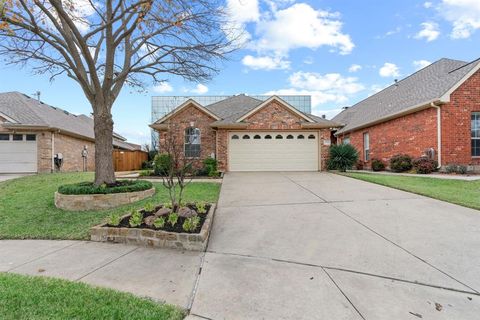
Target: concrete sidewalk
x,y
163,275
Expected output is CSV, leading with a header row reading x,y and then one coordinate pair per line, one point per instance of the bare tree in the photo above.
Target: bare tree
x,y
179,171
104,45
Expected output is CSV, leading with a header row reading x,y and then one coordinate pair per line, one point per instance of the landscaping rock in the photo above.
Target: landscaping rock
x,y
162,212
186,212
150,220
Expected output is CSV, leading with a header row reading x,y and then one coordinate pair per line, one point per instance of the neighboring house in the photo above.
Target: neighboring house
x,y
435,109
33,133
247,134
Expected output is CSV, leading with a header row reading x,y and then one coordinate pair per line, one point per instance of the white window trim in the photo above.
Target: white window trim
x,y
185,143
366,146
477,114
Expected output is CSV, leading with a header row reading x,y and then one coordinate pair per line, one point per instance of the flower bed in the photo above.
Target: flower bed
x,y
160,227
86,196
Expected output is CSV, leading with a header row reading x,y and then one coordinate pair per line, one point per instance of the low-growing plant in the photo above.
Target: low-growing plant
x,y
159,222
401,163
359,165
201,207
424,165
119,187
172,219
342,157
168,205
145,173
210,167
461,169
114,219
456,168
191,224
378,165
149,207
136,218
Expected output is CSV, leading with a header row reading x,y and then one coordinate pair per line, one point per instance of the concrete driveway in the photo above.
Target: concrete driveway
x,y
10,176
323,246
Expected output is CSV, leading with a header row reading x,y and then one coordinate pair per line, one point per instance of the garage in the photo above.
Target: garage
x,y
18,153
273,151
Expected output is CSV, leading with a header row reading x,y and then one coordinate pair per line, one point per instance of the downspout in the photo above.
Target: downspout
x,y
439,133
53,152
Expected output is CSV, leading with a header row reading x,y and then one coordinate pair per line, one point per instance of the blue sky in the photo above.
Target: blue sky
x,y
339,51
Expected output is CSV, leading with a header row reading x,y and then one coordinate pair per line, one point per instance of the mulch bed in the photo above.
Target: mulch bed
x,y
178,228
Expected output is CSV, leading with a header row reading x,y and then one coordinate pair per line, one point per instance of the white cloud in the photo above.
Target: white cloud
x,y
163,87
389,70
265,62
430,31
301,26
420,64
329,88
355,68
463,14
240,12
427,5
200,89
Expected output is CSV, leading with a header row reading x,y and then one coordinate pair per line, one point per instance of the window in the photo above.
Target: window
x,y
257,137
366,146
475,134
268,136
279,136
234,137
300,136
289,137
192,142
4,137
346,140
246,137
18,137
31,137
312,136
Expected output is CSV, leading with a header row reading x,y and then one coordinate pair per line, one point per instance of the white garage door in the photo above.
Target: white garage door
x,y
273,151
18,153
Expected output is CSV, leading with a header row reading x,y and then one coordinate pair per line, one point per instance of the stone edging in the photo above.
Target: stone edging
x,y
84,202
156,238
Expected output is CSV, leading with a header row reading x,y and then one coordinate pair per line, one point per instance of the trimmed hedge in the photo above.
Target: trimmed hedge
x,y
401,163
121,186
378,165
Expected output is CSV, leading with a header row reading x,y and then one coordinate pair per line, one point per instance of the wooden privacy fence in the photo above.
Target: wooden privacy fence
x,y
128,160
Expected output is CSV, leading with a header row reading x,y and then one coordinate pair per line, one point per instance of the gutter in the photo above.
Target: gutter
x,y
439,133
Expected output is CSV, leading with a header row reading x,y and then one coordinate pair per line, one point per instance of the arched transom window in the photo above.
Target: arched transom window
x,y
192,142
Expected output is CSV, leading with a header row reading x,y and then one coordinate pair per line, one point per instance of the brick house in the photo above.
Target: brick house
x,y
246,134
32,133
435,110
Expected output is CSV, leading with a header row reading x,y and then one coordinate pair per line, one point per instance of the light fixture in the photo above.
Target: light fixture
x,y
192,124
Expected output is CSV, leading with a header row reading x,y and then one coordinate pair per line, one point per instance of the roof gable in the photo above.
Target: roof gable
x,y
189,102
281,102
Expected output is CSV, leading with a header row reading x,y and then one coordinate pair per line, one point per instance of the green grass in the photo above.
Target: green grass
x,y
27,209
40,298
464,193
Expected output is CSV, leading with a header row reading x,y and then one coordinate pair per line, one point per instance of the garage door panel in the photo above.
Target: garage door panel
x,y
18,156
273,154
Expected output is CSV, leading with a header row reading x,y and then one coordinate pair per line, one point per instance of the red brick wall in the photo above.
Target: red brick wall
x,y
180,121
71,149
411,134
456,126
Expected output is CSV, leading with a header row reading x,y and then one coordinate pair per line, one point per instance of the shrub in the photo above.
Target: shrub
x,y
359,165
201,207
456,168
119,187
147,165
145,173
149,207
135,219
190,224
159,222
424,165
378,165
161,164
172,219
401,163
114,219
342,157
210,167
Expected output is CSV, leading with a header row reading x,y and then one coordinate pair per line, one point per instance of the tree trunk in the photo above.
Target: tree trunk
x,y
103,122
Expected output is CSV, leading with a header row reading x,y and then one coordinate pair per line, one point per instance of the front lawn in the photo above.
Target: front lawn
x,y
464,193
26,297
27,209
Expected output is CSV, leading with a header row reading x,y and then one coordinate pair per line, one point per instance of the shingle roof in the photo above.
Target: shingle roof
x,y
426,85
233,108
30,112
